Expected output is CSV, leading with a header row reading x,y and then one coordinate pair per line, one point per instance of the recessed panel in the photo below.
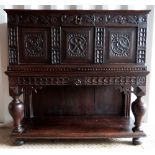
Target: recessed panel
x,y
34,45
121,45
77,44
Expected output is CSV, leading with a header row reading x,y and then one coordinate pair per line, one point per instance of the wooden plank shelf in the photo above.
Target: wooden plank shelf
x,y
77,127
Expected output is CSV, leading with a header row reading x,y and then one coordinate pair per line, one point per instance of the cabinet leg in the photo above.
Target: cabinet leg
x,y
16,109
136,141
138,110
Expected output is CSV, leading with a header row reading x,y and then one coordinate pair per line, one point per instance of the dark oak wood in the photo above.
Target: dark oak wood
x,y
76,70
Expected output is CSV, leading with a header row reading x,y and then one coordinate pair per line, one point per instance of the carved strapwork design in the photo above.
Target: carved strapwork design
x,y
141,45
77,45
55,45
16,108
13,50
99,45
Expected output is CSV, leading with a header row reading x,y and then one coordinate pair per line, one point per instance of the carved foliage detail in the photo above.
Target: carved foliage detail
x,y
13,45
120,43
77,45
141,45
99,45
78,19
55,45
34,44
121,19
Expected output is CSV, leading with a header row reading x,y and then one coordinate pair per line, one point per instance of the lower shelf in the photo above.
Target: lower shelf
x,y
88,127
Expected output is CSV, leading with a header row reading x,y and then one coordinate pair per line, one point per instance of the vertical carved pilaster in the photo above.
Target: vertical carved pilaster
x,y
13,53
141,45
99,45
55,45
16,108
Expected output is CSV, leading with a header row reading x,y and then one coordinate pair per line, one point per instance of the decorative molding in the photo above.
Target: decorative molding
x,y
64,68
34,44
120,44
121,19
77,44
99,45
141,45
55,45
78,20
13,53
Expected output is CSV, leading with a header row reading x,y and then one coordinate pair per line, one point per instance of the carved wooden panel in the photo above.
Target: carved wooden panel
x,y
121,45
77,46
99,45
13,50
34,45
55,45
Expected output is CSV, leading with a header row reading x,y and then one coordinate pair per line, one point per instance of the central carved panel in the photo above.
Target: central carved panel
x,y
120,44
77,45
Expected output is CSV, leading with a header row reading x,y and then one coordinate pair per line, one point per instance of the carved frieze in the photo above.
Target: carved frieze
x,y
99,45
118,80
112,80
121,19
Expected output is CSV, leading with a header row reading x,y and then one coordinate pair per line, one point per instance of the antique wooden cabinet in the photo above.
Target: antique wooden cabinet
x,y
76,71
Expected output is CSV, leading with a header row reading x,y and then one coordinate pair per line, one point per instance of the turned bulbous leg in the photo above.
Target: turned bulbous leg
x,y
138,110
16,109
